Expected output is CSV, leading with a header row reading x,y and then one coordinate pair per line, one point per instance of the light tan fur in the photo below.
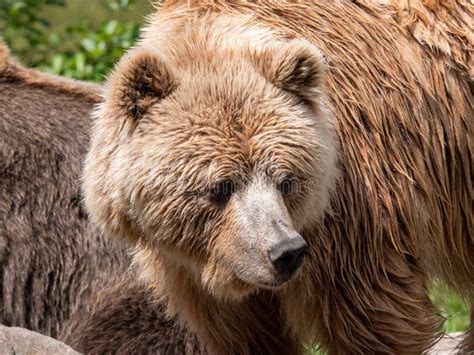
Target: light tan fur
x,y
234,90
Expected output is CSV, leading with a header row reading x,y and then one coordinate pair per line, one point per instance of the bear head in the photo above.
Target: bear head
x,y
215,160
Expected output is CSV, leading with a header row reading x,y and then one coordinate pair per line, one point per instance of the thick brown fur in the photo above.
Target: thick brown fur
x,y
125,319
399,90
59,276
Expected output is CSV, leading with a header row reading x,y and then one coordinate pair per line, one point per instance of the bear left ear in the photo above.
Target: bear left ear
x,y
297,67
141,80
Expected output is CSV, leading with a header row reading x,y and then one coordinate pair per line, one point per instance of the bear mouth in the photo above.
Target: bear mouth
x,y
280,280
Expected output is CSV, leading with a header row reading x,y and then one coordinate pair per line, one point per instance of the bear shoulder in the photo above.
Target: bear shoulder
x,y
11,71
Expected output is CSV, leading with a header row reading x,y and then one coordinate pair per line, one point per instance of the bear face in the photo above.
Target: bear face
x,y
217,164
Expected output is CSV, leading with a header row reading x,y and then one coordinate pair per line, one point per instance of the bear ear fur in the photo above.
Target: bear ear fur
x,y
298,67
141,80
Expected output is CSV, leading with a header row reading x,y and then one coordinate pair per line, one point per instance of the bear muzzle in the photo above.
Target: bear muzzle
x,y
268,249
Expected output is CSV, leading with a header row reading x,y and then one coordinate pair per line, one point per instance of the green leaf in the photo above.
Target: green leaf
x,y
57,63
16,8
88,44
111,27
80,64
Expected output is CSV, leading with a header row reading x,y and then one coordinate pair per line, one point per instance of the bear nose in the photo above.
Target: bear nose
x,y
287,256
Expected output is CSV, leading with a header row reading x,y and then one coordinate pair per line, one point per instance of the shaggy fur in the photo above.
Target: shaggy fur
x,y
55,267
126,320
231,91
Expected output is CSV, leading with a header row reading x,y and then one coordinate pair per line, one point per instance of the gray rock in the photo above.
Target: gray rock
x,y
447,345
19,341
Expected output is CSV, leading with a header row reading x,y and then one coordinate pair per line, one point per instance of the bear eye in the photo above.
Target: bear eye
x,y
221,192
288,186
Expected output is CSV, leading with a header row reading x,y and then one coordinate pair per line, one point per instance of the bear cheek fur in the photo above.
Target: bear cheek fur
x,y
228,256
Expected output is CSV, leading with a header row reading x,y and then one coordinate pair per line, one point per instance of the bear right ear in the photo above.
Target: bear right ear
x,y
138,83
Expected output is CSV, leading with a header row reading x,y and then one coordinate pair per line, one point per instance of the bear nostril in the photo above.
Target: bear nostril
x,y
287,256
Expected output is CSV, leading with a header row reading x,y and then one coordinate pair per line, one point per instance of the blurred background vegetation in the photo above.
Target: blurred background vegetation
x,y
83,39
76,38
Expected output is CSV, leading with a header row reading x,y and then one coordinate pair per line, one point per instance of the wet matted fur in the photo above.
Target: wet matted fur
x,y
58,275
192,102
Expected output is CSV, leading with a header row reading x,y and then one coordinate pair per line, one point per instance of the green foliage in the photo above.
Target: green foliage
x,y
451,306
82,51
22,27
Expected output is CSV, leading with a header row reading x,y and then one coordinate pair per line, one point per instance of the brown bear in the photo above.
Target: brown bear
x,y
59,275
294,172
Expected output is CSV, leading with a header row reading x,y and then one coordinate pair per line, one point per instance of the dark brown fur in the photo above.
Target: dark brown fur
x,y
125,319
58,275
